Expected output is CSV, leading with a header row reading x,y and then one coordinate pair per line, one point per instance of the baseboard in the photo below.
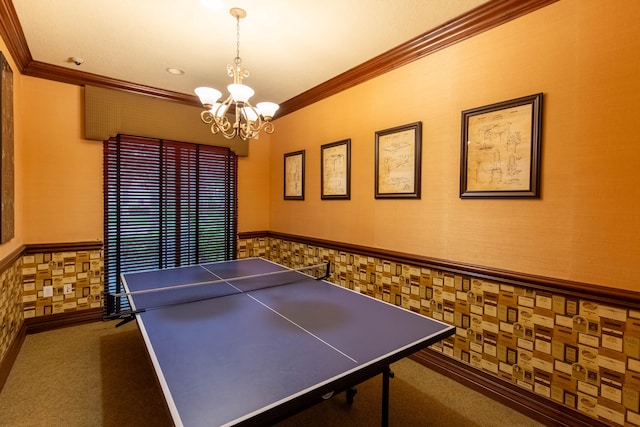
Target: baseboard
x,y
543,410
62,320
11,355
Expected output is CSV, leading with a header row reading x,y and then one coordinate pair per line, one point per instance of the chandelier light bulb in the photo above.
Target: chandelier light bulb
x,y
240,92
250,114
219,110
207,95
267,109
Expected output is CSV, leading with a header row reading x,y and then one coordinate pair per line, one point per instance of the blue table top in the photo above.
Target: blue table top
x,y
221,361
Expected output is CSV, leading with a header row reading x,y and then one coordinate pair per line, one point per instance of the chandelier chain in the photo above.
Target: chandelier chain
x,y
237,60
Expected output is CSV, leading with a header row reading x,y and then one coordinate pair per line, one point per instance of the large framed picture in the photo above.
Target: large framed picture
x,y
335,170
7,214
294,175
398,162
500,149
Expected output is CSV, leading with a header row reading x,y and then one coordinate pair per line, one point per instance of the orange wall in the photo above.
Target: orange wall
x,y
253,186
63,171
584,56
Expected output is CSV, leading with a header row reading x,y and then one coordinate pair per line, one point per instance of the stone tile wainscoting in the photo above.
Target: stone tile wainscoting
x,y
578,349
59,282
11,317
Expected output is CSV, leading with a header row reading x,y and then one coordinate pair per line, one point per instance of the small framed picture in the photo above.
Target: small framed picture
x,y
294,175
500,149
335,170
398,160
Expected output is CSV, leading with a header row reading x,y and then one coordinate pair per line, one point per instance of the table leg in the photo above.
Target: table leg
x,y
351,392
386,374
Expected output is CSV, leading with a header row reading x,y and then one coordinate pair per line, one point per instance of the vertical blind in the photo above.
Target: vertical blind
x,y
166,204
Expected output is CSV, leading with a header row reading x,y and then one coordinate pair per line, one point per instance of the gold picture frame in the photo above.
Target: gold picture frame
x,y
294,175
398,161
500,149
335,170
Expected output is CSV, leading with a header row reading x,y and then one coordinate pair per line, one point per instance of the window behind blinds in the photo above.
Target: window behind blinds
x,y
166,204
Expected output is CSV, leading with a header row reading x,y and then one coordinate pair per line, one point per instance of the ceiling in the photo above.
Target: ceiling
x,y
289,46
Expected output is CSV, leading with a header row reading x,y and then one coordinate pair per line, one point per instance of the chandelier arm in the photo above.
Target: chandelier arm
x,y
230,135
206,116
224,125
222,108
252,127
238,116
268,127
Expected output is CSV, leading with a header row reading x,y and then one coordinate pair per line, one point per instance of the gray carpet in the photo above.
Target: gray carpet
x,y
97,375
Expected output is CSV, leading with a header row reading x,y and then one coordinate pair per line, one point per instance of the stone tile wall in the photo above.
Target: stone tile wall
x,y
10,305
575,351
74,280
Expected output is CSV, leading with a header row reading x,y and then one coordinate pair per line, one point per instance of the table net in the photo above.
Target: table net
x,y
164,296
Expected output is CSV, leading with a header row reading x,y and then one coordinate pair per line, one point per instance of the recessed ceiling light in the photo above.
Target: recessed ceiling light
x,y
175,71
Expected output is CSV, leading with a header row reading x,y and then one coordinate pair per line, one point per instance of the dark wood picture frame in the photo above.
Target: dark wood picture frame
x,y
398,159
294,175
335,170
7,213
500,149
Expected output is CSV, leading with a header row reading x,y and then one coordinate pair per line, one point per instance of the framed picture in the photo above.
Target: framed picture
x,y
398,159
294,175
7,214
500,149
335,170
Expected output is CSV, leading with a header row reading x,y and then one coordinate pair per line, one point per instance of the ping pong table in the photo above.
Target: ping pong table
x,y
267,350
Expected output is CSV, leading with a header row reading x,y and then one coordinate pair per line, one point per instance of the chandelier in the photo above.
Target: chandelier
x,y
248,120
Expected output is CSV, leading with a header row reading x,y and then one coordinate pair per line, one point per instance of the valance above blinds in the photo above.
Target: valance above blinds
x,y
111,112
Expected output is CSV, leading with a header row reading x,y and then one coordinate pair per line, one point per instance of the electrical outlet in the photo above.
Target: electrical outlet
x,y
47,291
68,288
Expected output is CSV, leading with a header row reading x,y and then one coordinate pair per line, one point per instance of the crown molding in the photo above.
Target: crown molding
x,y
476,21
484,17
67,75
11,32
